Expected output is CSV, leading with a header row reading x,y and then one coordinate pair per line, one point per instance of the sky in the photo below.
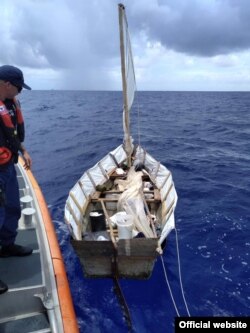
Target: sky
x,y
178,45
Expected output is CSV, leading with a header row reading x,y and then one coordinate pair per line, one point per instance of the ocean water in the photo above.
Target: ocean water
x,y
204,139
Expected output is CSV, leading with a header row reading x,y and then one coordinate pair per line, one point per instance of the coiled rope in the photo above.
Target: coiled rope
x,y
180,279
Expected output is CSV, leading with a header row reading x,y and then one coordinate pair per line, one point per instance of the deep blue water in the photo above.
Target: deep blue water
x,y
204,139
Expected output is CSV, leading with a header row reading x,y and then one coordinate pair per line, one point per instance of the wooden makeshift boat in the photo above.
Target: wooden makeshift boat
x,y
38,299
121,210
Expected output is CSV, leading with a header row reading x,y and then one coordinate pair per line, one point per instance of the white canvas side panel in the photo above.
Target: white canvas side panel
x,y
151,165
169,226
80,194
120,154
164,181
167,188
162,177
162,174
77,192
87,185
108,164
74,210
170,201
97,176
96,173
76,229
67,214
73,215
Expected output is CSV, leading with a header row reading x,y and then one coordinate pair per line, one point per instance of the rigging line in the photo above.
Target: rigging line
x,y
169,288
179,268
123,303
138,116
136,98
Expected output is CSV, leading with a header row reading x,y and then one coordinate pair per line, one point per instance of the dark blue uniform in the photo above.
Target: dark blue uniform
x,y
11,136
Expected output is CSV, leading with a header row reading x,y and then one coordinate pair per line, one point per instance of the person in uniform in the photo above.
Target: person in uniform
x,y
11,144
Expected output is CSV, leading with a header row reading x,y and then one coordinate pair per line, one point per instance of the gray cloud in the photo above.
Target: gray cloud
x,y
57,33
62,33
79,39
195,27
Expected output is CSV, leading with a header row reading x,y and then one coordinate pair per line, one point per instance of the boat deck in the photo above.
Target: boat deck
x,y
23,307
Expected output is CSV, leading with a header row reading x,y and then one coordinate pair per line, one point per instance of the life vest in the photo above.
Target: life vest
x,y
12,131
5,155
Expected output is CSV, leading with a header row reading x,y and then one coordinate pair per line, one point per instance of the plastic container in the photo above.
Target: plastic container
x,y
97,221
98,235
125,226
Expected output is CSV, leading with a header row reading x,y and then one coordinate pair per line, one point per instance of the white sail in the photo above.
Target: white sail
x,y
128,78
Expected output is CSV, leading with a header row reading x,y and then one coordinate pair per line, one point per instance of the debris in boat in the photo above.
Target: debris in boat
x,y
97,221
120,171
96,236
124,223
104,187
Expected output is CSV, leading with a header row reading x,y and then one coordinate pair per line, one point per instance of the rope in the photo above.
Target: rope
x,y
138,117
179,269
180,279
169,288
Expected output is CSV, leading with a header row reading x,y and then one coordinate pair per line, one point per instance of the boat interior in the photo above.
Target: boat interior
x,y
103,239
107,197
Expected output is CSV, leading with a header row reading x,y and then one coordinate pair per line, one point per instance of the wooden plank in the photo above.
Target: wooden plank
x,y
167,209
109,223
81,187
139,247
165,180
97,267
135,268
76,202
168,191
119,192
157,194
96,195
93,248
91,179
114,159
115,200
103,171
73,214
97,256
104,199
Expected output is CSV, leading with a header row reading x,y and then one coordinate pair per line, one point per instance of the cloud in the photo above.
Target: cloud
x,y
203,28
54,33
71,37
75,44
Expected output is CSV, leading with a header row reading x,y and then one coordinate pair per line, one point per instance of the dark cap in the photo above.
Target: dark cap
x,y
13,75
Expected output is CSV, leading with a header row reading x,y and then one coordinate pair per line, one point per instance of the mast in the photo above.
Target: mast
x,y
126,117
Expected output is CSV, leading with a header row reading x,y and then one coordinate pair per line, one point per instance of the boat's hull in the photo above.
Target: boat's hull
x,y
129,258
133,258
